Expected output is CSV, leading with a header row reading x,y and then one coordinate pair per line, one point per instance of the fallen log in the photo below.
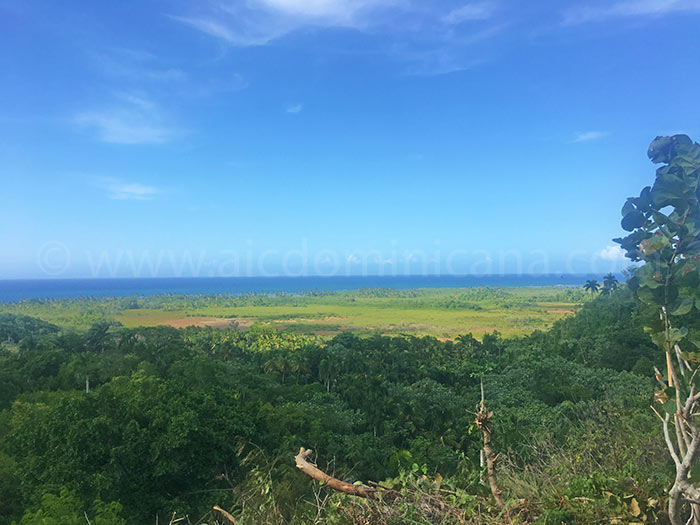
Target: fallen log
x,y
314,472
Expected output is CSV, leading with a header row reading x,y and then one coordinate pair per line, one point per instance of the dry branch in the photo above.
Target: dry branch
x,y
225,514
483,421
314,472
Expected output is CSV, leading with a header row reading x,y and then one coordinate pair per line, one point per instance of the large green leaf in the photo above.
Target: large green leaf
x,y
654,244
677,334
628,207
660,149
650,276
633,220
681,306
667,190
644,201
670,406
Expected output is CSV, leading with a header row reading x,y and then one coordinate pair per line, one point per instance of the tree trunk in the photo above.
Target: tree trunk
x,y
483,421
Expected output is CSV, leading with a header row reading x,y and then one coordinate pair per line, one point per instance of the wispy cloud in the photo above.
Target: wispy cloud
x,y
119,189
145,72
258,22
124,127
469,12
628,8
430,40
588,136
295,108
243,36
135,65
135,120
451,54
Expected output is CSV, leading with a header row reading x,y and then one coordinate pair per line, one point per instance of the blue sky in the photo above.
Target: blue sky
x,y
263,137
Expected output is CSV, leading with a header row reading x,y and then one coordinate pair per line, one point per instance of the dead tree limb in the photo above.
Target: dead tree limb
x,y
225,514
483,421
314,472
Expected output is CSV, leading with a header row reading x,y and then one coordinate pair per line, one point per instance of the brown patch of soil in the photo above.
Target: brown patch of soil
x,y
326,332
215,322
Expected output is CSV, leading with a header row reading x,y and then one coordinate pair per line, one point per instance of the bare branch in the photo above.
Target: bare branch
x,y
669,442
660,378
483,421
682,363
314,472
225,514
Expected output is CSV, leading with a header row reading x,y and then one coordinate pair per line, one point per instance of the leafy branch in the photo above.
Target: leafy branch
x,y
664,226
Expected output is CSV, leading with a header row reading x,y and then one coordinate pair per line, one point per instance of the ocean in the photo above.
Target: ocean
x,y
19,289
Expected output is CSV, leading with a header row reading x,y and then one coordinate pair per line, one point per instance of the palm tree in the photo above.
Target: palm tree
x,y
591,286
610,282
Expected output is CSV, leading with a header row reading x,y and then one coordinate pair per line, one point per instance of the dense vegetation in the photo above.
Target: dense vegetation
x,y
181,420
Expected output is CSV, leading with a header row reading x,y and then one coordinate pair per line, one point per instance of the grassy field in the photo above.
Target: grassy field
x,y
441,312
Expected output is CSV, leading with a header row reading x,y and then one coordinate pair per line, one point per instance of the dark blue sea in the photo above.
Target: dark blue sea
x,y
16,290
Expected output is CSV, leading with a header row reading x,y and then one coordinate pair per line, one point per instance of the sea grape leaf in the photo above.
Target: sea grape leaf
x,y
633,220
628,207
654,244
681,306
667,190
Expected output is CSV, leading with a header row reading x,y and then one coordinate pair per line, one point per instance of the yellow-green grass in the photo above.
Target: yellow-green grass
x,y
444,323
440,312
388,315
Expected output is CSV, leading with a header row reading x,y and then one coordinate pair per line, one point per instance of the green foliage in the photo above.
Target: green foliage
x,y
13,328
181,420
66,509
664,226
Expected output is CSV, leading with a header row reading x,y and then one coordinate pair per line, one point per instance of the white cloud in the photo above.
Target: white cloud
x,y
242,35
294,109
628,8
119,189
613,253
139,70
123,127
258,22
431,40
353,259
336,10
136,120
587,136
468,12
